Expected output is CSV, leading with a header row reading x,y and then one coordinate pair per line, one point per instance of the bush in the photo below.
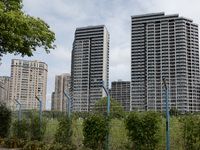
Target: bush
x,y
191,131
116,110
78,114
174,112
63,133
5,117
21,129
95,131
143,129
35,128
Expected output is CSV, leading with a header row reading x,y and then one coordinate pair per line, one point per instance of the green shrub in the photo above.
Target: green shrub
x,y
95,131
174,112
63,133
143,129
190,131
116,110
35,145
5,121
21,129
83,115
35,128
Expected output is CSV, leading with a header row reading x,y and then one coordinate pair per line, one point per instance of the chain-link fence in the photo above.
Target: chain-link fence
x,y
184,129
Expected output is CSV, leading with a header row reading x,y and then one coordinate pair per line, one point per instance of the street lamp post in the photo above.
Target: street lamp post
x,y
3,106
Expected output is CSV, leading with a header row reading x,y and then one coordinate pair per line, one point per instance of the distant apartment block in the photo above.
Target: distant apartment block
x,y
120,91
4,89
164,46
1,91
90,66
28,80
59,101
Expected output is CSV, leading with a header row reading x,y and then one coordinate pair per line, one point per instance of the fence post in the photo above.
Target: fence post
x,y
69,106
19,116
167,113
40,113
3,106
108,111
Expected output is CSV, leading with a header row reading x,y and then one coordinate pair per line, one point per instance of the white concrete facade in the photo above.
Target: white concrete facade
x,y
120,91
90,66
164,46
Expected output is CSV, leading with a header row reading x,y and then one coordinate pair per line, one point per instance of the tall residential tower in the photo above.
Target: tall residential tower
x,y
120,91
90,66
58,100
28,80
4,88
164,46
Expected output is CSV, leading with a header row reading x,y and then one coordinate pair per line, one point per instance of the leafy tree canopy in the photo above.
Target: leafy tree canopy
x,y
94,132
116,110
143,129
174,112
21,33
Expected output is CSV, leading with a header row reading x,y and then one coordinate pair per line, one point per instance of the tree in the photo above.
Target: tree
x,y
190,131
143,129
95,131
64,133
21,33
5,121
36,132
174,112
116,110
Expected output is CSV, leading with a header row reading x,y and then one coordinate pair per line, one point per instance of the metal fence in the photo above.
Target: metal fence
x,y
184,130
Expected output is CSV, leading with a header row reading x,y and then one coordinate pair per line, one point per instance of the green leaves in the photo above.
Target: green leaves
x,y
116,110
5,121
21,129
20,33
35,128
191,131
143,128
95,131
63,133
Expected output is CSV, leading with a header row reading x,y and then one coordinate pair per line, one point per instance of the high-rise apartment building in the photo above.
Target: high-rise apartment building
x,y
58,100
164,46
28,80
120,91
90,66
4,89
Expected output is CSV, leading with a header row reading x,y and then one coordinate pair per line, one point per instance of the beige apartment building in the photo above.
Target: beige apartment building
x,y
59,101
28,80
4,89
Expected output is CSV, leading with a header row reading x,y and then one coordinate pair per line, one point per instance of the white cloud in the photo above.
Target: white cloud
x,y
120,72
61,53
120,56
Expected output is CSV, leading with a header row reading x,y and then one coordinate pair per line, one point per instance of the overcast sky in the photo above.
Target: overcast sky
x,y
64,16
